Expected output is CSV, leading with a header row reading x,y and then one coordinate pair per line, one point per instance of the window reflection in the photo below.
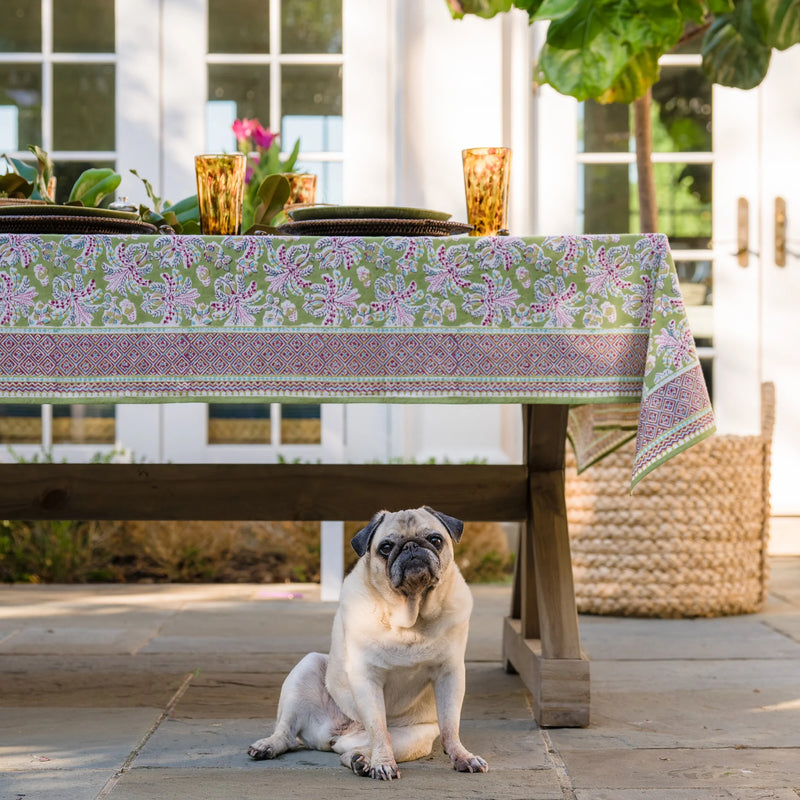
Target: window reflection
x,y
83,107
21,28
83,26
311,90
681,117
311,26
245,85
20,105
238,26
683,196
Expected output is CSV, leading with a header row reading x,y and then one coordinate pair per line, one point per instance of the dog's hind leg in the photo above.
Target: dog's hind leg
x,y
306,712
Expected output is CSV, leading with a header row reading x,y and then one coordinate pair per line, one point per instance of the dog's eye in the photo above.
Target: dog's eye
x,y
384,548
436,540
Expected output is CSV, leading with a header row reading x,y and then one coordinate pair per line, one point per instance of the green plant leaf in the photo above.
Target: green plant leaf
x,y
148,187
734,54
692,10
273,193
93,185
14,185
45,173
288,165
639,74
555,9
21,168
583,73
778,21
481,8
718,7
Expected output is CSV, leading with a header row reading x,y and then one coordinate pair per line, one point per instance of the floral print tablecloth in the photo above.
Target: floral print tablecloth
x,y
572,319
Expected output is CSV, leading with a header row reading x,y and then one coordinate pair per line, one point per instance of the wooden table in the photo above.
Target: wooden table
x,y
149,319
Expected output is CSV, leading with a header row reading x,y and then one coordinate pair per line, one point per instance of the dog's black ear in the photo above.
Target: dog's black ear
x,y
362,539
455,527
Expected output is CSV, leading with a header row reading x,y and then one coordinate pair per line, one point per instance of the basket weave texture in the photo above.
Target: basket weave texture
x,y
692,539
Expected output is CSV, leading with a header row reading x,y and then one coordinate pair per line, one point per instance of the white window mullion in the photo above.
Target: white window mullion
x,y
275,67
47,74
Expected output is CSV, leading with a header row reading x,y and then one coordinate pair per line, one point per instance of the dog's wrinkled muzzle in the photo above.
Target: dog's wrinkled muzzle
x,y
413,566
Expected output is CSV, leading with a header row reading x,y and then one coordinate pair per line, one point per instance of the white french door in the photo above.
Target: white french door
x,y
757,209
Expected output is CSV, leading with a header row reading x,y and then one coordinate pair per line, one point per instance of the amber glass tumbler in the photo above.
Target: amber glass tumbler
x,y
220,192
486,174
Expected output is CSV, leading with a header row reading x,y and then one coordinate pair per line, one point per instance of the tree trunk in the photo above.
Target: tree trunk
x,y
643,135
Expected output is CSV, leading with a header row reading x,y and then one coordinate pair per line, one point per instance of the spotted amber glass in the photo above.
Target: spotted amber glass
x,y
486,174
302,188
220,192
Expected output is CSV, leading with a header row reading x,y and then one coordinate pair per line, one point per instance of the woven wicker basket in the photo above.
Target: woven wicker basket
x,y
692,539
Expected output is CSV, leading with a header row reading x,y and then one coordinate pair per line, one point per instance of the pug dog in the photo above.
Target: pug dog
x,y
394,678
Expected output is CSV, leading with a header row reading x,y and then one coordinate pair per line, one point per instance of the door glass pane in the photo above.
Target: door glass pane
x,y
681,117
301,424
682,111
238,26
20,424
239,423
604,128
683,196
20,106
245,85
83,424
311,90
83,26
21,28
329,177
83,106
311,26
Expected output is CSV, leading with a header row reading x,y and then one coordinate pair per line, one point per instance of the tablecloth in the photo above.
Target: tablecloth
x,y
558,319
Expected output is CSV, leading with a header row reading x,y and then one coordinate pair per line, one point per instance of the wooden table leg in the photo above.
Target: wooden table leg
x,y
540,638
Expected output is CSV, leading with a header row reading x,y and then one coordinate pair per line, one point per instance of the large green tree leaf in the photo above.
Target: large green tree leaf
x,y
734,53
480,8
582,73
779,22
639,74
606,49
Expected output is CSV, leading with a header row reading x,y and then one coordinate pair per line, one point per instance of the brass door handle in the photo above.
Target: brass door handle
x,y
780,232
742,225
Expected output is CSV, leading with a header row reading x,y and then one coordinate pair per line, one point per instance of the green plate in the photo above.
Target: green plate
x,y
364,212
48,210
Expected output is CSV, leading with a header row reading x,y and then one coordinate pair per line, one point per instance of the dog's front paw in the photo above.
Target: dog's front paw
x,y
384,772
470,763
260,750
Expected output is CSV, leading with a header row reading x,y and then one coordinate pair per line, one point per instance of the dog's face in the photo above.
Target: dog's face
x,y
408,551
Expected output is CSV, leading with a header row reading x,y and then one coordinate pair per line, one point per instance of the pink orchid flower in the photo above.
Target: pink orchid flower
x,y
243,129
262,137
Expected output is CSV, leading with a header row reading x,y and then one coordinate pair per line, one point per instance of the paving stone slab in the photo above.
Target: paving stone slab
x,y
728,768
178,743
334,783
684,704
88,689
73,639
72,784
491,693
685,794
622,638
44,739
